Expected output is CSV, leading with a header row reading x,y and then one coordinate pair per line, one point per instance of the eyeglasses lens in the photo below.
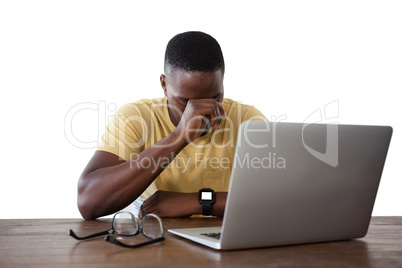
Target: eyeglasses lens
x,y
151,227
125,224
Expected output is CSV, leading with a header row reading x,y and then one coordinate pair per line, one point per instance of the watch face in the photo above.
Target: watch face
x,y
206,196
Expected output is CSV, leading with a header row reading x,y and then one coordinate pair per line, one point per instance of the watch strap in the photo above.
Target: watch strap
x,y
206,208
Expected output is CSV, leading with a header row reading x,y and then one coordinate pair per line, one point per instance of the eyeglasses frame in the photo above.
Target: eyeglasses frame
x,y
139,228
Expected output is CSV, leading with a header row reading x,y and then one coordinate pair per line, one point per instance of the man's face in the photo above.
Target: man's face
x,y
180,86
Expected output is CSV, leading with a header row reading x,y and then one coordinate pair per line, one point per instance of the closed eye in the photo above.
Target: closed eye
x,y
183,101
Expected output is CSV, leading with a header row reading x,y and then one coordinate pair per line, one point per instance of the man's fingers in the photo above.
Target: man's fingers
x,y
200,113
144,208
219,115
216,122
222,111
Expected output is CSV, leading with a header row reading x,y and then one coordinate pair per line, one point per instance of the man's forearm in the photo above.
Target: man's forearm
x,y
218,208
174,204
109,189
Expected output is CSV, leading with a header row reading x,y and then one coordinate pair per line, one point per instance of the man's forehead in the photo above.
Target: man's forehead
x,y
183,75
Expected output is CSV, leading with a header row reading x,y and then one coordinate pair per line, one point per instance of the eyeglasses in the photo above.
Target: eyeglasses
x,y
125,224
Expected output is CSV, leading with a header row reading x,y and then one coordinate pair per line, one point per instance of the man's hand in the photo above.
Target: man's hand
x,y
171,204
197,115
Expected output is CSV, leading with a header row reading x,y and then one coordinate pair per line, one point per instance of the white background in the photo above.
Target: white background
x,y
287,58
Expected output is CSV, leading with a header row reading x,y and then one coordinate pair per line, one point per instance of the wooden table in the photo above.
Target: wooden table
x,y
45,243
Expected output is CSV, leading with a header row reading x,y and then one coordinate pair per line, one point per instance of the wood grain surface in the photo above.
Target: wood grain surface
x,y
46,243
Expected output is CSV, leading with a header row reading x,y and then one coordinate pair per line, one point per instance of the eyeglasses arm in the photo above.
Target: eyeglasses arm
x,y
113,240
71,233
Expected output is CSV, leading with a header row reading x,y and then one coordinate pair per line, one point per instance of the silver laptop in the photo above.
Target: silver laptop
x,y
295,183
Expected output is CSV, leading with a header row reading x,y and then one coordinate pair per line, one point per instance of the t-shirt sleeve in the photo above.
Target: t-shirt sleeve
x,y
124,133
252,113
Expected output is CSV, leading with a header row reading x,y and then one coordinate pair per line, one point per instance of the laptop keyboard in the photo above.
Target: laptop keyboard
x,y
213,235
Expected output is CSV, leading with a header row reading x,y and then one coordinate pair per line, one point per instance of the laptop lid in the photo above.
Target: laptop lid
x,y
298,183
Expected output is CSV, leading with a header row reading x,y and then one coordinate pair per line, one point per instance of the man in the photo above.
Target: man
x,y
165,150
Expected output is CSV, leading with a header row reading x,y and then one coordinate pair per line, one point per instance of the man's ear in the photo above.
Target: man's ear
x,y
163,83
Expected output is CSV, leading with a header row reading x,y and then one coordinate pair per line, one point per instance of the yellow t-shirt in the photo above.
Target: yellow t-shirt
x,y
204,163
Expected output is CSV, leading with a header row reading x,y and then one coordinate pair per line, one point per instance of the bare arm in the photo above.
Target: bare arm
x,y
109,184
172,204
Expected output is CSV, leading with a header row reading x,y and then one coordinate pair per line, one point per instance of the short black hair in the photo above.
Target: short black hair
x,y
194,51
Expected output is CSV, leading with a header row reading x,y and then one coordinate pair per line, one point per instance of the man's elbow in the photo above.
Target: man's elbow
x,y
85,203
86,209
